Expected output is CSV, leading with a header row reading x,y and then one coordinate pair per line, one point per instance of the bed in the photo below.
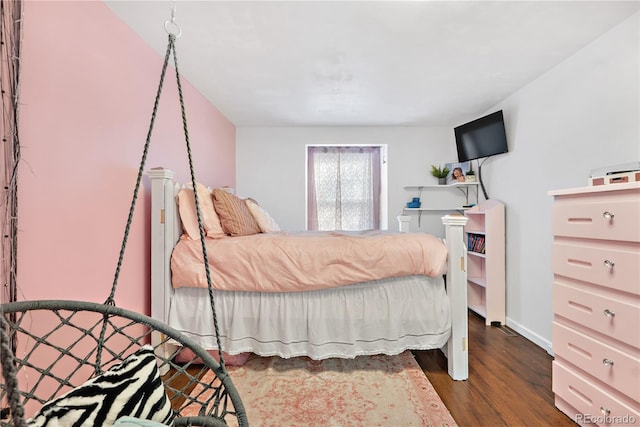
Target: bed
x,y
381,316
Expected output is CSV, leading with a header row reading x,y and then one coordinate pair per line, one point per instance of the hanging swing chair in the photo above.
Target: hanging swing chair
x,y
89,364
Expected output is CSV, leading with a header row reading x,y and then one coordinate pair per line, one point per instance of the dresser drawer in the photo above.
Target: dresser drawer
x,y
601,312
603,264
594,406
608,364
610,216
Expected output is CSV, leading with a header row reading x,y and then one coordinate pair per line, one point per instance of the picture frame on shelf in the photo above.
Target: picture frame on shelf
x,y
464,167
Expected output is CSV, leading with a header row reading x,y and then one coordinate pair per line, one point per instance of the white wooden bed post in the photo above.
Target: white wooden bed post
x,y
457,346
164,235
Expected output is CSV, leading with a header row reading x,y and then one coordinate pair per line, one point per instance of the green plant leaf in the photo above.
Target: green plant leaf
x,y
439,172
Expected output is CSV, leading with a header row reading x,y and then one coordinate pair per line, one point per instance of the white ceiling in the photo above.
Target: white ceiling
x,y
367,63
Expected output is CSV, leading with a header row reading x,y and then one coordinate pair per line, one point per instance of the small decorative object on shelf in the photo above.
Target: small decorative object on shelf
x,y
471,176
457,175
440,173
414,203
457,171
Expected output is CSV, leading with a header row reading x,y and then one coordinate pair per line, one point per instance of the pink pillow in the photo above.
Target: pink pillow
x,y
189,218
235,217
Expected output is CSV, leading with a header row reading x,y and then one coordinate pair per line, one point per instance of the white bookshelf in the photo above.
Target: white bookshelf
x,y
485,240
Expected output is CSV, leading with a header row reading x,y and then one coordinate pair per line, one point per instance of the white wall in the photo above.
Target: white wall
x,y
271,166
582,114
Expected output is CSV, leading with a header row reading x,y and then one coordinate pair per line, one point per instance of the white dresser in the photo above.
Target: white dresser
x,y
596,303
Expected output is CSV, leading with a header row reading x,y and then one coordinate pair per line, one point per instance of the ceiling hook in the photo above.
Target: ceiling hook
x,y
171,26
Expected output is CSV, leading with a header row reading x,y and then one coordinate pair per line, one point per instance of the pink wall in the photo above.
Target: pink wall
x,y
87,89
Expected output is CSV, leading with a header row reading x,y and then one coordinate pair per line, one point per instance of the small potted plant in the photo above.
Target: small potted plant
x,y
440,173
470,176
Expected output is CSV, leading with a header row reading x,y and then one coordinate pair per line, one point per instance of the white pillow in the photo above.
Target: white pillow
x,y
266,223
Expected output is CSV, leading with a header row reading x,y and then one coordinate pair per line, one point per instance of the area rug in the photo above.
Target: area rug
x,y
365,391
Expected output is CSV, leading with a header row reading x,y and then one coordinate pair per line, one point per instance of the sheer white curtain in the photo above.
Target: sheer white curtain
x,y
343,188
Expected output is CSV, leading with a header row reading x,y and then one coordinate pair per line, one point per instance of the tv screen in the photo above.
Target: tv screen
x,y
482,137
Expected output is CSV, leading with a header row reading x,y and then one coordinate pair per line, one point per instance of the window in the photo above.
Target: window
x,y
344,187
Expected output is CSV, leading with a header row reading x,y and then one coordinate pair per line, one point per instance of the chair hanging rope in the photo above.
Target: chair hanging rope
x,y
111,299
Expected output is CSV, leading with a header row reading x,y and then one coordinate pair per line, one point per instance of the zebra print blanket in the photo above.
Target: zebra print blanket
x,y
130,388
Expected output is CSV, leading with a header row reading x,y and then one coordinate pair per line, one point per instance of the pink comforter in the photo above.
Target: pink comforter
x,y
286,262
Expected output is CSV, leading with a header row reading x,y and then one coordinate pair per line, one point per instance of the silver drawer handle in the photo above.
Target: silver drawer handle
x,y
609,313
608,215
607,362
608,263
605,411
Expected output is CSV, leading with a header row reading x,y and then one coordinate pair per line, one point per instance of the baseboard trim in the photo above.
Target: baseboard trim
x,y
530,335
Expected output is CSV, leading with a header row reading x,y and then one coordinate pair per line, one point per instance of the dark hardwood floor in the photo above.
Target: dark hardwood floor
x,y
509,381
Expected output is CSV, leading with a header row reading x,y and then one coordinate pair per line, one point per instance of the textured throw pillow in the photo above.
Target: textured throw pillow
x,y
188,214
234,214
266,223
131,388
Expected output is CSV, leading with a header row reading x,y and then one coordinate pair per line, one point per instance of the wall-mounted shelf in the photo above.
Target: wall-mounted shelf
x,y
436,209
468,190
452,185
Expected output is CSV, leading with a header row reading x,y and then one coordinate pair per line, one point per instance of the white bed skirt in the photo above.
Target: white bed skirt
x,y
380,317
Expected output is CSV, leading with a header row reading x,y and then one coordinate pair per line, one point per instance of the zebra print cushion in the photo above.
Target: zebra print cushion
x,y
131,388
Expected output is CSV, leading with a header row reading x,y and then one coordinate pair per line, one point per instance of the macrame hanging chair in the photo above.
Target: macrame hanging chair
x,y
55,353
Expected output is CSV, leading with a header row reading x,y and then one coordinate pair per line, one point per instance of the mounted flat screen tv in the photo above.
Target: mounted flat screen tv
x,y
482,137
